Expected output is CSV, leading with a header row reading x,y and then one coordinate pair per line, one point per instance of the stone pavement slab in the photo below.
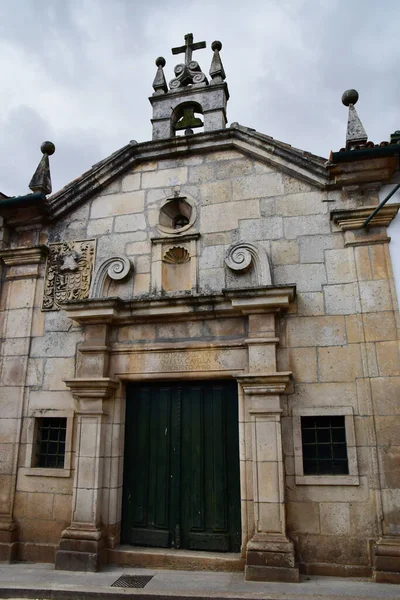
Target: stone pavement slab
x,y
42,581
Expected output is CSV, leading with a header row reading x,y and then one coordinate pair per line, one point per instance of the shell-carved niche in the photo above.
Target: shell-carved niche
x,y
176,256
116,268
68,273
176,269
248,265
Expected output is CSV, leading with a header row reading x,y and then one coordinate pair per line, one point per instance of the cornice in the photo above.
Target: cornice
x,y
363,171
180,307
188,91
354,218
175,237
283,157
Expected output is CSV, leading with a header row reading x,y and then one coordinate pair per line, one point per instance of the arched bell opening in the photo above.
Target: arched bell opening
x,y
186,118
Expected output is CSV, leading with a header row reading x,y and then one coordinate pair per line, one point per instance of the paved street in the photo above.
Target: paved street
x,y
41,581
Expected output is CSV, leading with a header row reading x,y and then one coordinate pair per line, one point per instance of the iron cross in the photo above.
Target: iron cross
x,y
188,48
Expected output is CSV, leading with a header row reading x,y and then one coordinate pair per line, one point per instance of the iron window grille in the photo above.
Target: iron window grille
x,y
51,434
324,445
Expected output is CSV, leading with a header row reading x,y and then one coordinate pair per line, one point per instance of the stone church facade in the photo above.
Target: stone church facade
x,y
199,352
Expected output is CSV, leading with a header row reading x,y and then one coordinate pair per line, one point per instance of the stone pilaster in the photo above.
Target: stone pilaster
x,y
270,554
82,545
19,298
376,283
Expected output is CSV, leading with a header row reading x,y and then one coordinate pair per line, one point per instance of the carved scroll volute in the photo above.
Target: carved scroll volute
x,y
239,258
243,256
115,268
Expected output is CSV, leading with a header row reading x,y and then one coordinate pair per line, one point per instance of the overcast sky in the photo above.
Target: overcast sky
x,y
79,72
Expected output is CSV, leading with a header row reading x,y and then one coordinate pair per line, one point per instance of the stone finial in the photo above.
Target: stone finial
x,y
356,133
189,94
41,179
189,72
159,83
217,72
395,137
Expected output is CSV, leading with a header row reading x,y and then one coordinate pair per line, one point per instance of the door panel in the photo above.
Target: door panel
x,y
181,474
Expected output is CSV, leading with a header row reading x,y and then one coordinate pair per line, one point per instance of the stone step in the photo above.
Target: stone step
x,y
167,558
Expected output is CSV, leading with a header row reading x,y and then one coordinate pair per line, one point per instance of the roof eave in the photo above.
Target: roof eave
x,y
293,162
363,154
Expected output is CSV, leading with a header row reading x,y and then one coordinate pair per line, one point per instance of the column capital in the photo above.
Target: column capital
x,y
84,388
23,255
265,383
23,262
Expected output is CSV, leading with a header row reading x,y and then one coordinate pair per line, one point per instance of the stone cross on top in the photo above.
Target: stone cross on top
x,y
189,72
188,48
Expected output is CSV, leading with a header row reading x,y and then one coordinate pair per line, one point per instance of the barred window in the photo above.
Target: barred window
x,y
324,445
51,434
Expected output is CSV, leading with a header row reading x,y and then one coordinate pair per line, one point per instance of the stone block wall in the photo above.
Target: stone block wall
x,y
346,355
236,199
339,338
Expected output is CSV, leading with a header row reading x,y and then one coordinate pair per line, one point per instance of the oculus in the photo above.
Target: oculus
x,y
176,215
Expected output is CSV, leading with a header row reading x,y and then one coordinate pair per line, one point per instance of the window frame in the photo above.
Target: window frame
x,y
33,430
343,411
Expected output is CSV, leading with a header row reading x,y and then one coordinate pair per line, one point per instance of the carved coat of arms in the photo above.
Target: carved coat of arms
x,y
68,273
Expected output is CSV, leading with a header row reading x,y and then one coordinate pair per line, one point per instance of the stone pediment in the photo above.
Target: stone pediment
x,y
275,154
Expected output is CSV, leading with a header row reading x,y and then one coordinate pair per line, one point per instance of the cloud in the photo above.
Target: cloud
x,y
80,72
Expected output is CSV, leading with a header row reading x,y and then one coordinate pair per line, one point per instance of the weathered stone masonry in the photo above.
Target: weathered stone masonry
x,y
307,324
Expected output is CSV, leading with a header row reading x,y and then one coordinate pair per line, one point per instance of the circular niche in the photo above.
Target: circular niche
x,y
176,215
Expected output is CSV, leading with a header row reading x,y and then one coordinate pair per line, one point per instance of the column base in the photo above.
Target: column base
x,y
8,541
270,558
8,552
387,560
81,551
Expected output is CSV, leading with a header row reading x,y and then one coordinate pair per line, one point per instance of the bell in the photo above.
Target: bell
x,y
188,120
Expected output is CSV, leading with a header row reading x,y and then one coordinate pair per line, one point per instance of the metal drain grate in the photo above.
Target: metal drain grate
x,y
132,581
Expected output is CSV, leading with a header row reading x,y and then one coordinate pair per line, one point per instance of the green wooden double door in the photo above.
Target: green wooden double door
x,y
181,468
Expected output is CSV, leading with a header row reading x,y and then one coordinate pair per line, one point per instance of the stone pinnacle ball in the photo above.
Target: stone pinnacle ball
x,y
48,148
350,97
160,61
216,45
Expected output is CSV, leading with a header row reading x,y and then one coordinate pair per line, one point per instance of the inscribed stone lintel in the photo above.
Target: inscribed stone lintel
x,y
68,272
